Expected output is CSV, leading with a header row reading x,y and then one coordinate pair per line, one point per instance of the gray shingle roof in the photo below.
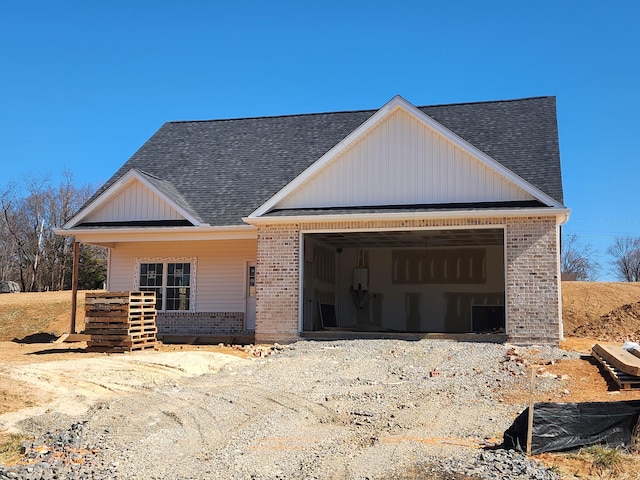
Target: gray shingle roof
x,y
222,170
172,192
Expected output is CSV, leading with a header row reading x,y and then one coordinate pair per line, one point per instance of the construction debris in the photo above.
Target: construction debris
x,y
259,351
622,366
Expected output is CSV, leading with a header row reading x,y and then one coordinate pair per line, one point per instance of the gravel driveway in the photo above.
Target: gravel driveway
x,y
352,409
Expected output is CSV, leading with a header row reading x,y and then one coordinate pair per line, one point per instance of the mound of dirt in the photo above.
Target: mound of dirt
x,y
619,325
584,303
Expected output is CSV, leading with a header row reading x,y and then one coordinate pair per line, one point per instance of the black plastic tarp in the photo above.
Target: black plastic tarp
x,y
567,426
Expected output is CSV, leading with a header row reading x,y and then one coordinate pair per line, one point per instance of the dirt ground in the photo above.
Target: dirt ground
x,y
592,312
30,323
584,304
38,375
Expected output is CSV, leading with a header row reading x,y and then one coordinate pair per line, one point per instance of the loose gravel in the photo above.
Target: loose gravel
x,y
357,409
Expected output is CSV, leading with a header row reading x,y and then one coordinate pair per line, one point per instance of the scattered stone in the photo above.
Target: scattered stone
x,y
353,395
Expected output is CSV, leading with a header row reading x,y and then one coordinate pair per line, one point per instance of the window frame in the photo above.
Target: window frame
x,y
165,268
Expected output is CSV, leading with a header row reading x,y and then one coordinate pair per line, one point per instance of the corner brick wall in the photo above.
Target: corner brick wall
x,y
200,323
533,284
533,281
277,284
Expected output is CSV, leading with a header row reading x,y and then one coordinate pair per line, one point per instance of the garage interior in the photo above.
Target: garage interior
x,y
411,281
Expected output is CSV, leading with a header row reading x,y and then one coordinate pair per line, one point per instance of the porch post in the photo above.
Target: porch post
x,y
74,285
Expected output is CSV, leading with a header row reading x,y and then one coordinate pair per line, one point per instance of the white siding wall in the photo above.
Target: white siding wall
x,y
135,202
402,161
221,269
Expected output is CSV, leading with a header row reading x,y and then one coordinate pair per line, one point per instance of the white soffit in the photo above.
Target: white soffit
x,y
133,197
401,156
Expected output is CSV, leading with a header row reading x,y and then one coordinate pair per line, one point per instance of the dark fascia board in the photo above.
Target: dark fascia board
x,y
406,208
138,223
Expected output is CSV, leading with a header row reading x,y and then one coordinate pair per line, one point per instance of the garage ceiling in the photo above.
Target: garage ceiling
x,y
413,238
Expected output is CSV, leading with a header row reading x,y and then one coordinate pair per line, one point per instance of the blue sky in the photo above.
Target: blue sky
x,y
84,84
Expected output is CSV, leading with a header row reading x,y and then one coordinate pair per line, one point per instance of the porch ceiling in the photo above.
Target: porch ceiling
x,y
413,238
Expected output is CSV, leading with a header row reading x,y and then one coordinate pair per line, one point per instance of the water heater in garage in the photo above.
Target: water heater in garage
x,y
360,279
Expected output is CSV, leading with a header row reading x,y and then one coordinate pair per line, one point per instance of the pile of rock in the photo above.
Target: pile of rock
x,y
499,464
259,351
59,455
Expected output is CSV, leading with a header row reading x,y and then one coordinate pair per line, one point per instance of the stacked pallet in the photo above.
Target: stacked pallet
x,y
622,366
120,321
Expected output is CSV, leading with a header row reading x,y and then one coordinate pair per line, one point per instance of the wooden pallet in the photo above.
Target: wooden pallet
x,y
619,358
622,379
120,321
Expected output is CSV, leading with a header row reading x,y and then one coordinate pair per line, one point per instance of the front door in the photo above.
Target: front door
x,y
250,311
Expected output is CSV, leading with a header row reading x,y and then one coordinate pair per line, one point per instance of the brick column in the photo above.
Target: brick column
x,y
533,281
277,280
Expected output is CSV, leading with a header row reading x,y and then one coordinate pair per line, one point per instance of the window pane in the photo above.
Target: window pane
x,y
178,298
179,274
178,282
151,274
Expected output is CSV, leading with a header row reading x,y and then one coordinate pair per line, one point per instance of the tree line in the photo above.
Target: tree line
x,y
578,258
31,254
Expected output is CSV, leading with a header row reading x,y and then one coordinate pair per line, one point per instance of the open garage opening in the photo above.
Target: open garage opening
x,y
411,281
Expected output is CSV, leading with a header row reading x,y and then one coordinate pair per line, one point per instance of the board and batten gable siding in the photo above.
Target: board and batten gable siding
x,y
135,202
221,269
403,161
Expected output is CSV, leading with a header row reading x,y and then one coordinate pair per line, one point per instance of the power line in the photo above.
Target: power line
x,y
603,235
606,220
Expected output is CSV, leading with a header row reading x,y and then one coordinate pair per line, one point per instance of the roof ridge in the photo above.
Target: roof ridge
x,y
364,110
264,117
508,100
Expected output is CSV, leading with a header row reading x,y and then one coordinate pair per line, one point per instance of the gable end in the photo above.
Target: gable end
x,y
137,199
401,156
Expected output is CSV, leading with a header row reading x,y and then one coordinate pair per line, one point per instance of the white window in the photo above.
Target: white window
x,y
171,279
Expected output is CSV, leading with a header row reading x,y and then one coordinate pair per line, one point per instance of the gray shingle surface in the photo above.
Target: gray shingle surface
x,y
172,192
222,170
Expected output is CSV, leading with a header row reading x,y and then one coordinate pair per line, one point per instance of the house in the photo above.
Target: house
x,y
437,219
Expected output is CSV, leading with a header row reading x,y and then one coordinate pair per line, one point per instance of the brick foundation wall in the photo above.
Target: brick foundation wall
x,y
532,284
200,323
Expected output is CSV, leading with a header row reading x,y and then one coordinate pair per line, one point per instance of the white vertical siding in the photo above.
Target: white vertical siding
x,y
135,202
403,161
220,269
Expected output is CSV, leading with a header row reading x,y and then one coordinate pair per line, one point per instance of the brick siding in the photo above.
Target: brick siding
x,y
277,284
200,323
533,282
532,264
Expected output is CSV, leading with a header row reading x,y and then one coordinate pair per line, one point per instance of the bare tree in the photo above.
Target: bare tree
x,y
17,230
57,252
578,259
38,259
8,245
626,258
